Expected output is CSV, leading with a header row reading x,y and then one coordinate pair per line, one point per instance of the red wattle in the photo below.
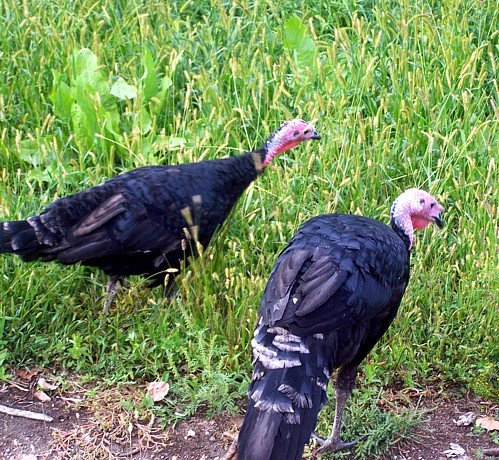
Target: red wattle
x,y
287,146
419,222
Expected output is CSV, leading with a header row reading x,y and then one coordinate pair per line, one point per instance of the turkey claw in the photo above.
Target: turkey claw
x,y
330,445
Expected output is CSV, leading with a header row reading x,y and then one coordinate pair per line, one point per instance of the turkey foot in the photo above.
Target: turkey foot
x,y
112,287
231,454
344,384
334,445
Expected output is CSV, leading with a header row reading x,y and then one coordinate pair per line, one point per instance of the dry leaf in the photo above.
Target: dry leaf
x,y
158,390
27,375
455,451
44,385
488,423
43,397
465,419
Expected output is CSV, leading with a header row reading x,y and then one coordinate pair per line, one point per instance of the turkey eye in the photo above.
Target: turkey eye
x,y
421,201
296,133
306,131
433,204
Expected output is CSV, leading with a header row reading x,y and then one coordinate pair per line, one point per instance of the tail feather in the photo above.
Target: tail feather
x,y
18,237
5,245
29,239
285,396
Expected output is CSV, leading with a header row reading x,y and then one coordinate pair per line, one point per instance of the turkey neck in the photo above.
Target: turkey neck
x,y
401,222
402,225
402,234
239,172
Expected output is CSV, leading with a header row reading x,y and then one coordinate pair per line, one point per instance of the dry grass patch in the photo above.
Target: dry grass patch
x,y
115,424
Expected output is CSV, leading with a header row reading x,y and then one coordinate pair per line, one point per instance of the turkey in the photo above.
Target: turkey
x,y
332,294
148,220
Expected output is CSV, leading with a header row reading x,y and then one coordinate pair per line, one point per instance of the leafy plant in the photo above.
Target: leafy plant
x,y
4,374
301,46
107,117
364,416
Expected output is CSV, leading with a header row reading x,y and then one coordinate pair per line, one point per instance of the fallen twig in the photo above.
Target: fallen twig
x,y
19,387
25,414
72,400
491,452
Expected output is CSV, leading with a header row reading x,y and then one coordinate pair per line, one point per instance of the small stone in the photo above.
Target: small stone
x,y
191,433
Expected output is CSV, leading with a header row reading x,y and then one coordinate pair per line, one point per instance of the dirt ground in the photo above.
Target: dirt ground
x,y
105,430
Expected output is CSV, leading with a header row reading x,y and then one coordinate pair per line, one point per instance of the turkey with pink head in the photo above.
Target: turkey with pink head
x,y
333,293
148,220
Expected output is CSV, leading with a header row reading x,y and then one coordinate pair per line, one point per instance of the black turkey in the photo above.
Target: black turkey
x,y
147,220
332,294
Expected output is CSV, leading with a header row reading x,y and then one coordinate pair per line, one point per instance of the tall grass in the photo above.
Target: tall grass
x,y
405,94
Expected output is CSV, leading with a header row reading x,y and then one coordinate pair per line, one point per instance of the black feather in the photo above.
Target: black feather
x,y
141,222
332,294
147,220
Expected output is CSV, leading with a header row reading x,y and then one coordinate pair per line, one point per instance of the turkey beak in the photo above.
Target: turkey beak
x,y
439,221
437,218
316,136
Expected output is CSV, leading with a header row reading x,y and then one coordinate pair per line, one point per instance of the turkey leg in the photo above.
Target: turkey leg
x,y
344,385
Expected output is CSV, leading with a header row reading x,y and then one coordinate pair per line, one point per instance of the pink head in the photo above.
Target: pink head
x,y
288,135
415,209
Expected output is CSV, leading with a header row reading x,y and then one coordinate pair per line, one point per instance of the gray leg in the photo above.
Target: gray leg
x,y
231,454
344,385
112,287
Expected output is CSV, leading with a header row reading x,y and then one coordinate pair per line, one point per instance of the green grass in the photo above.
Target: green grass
x,y
404,93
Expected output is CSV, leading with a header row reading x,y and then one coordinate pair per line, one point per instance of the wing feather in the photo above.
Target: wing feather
x,y
332,275
113,206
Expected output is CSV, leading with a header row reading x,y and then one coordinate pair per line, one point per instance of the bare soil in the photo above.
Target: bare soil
x,y
438,431
78,432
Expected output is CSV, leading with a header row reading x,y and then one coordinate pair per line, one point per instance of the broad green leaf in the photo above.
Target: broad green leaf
x,y
38,151
145,145
85,61
143,121
30,152
150,84
61,97
112,125
166,82
88,105
122,90
166,143
176,142
40,175
86,73
300,45
294,33
83,124
88,76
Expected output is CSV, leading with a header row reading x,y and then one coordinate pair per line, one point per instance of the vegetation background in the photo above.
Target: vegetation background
x,y
405,94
